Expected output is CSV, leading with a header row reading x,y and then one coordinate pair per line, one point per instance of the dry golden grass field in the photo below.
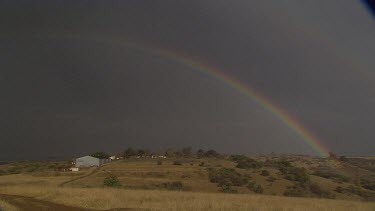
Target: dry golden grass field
x,y
148,185
105,198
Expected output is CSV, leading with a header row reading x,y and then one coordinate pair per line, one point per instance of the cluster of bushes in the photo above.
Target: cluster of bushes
x,y
226,178
29,167
100,155
130,152
244,162
331,174
303,190
172,153
352,189
367,184
256,188
208,154
291,172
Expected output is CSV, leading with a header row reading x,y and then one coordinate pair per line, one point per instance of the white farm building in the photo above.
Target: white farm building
x,y
88,161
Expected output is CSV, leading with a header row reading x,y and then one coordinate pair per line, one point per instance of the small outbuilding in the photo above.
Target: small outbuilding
x,y
89,161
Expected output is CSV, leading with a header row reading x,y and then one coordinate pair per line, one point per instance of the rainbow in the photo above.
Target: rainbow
x,y
278,112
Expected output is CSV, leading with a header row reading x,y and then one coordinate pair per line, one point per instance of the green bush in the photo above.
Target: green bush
x,y
244,162
177,163
248,164
339,189
14,170
256,188
295,174
111,181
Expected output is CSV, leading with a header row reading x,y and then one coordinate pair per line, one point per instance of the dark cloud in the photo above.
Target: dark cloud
x,y
70,87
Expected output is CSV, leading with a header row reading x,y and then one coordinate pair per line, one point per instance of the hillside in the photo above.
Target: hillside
x,y
238,177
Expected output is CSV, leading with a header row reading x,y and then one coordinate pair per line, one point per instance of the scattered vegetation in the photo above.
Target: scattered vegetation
x,y
330,173
256,188
226,178
100,155
244,162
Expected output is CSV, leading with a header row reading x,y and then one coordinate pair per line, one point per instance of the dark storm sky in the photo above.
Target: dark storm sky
x,y
67,88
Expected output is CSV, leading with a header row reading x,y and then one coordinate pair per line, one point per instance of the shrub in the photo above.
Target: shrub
x,y
224,176
159,162
212,153
331,174
339,189
265,173
2,172
177,163
370,185
229,189
295,191
248,164
295,174
201,163
14,170
271,179
111,181
237,158
256,188
177,185
317,190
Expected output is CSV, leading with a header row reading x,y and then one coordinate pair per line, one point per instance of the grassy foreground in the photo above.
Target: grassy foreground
x,y
106,198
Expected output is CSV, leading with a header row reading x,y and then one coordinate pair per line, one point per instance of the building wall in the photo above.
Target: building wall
x,y
103,161
87,161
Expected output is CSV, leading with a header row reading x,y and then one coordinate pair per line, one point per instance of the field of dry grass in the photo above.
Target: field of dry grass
x,y
105,198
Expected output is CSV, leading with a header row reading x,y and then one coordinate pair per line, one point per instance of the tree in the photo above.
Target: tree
x,y
200,153
186,152
212,153
129,152
100,155
332,156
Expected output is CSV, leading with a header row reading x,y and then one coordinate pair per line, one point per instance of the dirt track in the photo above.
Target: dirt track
x,y
24,203
31,204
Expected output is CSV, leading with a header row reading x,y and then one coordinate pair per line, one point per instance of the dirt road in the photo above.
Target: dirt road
x,y
31,204
24,203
